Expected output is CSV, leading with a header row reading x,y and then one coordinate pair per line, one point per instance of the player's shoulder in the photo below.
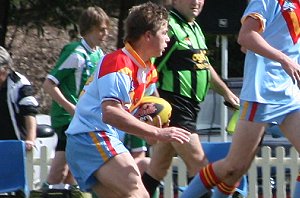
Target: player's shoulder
x,y
70,47
116,61
18,77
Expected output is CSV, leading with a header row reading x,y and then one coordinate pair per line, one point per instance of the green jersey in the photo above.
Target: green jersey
x,y
183,68
75,65
134,143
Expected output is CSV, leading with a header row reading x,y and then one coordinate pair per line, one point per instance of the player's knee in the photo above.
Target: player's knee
x,y
133,189
159,171
200,161
195,164
235,170
141,193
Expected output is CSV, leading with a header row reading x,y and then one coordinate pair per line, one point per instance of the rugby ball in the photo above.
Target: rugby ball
x,y
154,106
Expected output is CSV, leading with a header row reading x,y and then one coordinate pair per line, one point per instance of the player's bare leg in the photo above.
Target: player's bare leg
x,y
242,151
59,171
192,154
120,184
161,160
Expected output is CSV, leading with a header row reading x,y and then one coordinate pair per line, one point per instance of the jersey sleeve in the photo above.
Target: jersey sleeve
x,y
261,10
116,86
66,68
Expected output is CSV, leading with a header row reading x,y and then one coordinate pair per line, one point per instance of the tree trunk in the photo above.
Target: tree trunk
x,y
124,8
4,9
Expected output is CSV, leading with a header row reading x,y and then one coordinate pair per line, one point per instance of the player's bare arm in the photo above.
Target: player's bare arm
x,y
52,89
251,39
115,115
218,85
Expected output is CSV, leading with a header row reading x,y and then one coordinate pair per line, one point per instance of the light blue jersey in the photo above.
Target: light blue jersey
x,y
265,81
119,78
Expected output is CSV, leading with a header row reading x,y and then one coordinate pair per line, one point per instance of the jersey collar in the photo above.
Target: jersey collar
x,y
131,53
86,45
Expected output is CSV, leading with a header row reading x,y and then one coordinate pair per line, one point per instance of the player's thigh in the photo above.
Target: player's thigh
x,y
120,174
103,191
191,152
245,142
290,127
243,148
161,158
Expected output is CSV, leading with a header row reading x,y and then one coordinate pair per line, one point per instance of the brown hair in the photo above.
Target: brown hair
x,y
91,17
142,18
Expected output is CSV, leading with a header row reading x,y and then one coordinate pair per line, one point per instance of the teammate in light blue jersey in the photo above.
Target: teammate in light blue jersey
x,y
270,35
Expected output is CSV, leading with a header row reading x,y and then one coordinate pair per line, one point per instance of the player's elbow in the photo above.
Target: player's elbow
x,y
244,38
240,40
108,114
48,85
106,118
112,112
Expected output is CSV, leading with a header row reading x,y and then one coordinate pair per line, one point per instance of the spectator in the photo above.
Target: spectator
x,y
95,154
185,76
18,106
270,92
64,83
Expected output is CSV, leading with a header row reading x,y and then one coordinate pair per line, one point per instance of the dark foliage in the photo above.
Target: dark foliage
x,y
59,13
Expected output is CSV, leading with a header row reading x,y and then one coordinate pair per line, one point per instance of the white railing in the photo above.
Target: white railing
x,y
286,167
37,170
38,167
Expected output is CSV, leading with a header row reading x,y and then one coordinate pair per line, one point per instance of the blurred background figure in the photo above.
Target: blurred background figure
x,y
18,106
65,81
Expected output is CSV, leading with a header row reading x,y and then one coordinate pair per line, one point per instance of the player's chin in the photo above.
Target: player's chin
x,y
101,40
160,53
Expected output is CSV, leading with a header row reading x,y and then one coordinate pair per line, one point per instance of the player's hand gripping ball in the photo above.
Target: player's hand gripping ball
x,y
154,107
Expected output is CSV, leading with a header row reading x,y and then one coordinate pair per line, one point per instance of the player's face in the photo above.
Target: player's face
x,y
159,40
103,31
99,34
190,9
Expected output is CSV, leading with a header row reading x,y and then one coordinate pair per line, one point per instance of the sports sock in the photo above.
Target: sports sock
x,y
202,183
208,177
206,195
297,187
195,188
150,183
223,191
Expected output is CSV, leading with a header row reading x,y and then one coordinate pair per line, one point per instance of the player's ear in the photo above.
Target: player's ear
x,y
148,34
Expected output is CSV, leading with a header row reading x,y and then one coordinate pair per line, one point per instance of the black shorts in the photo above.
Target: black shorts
x,y
62,138
184,110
